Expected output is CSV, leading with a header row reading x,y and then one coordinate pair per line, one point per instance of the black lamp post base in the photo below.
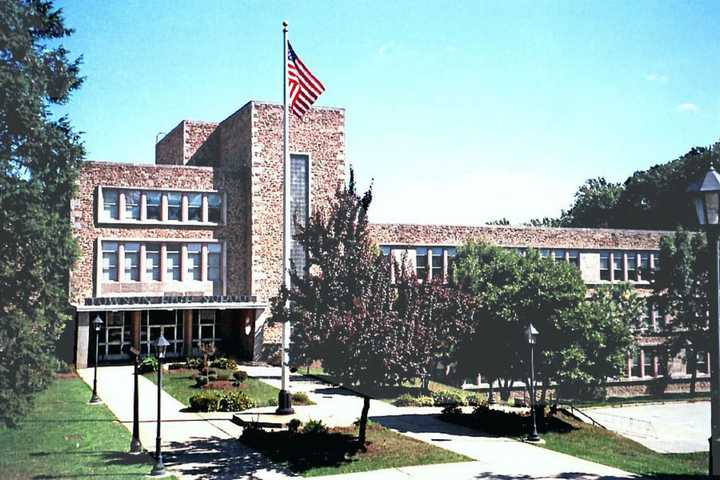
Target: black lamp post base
x,y
158,469
95,400
135,446
284,403
534,438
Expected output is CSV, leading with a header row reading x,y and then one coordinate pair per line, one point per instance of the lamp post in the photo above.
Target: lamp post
x,y
97,323
706,199
135,446
160,346
530,334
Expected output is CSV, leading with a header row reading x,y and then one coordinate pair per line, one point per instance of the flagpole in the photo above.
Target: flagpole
x,y
284,400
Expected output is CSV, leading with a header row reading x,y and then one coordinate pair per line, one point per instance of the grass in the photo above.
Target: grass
x,y
390,394
64,437
180,384
608,448
337,452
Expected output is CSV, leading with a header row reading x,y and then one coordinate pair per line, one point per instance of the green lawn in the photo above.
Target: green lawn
x,y
337,452
603,446
181,385
64,437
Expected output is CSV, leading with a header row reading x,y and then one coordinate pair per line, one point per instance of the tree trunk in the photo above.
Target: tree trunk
x,y
543,391
505,388
692,364
491,393
363,422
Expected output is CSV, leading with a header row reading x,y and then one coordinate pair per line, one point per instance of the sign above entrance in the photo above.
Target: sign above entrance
x,y
169,299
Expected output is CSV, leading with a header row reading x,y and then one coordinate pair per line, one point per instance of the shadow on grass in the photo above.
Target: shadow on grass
x,y
104,458
304,451
424,423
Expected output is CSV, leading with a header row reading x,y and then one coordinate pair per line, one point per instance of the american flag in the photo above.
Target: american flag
x,y
304,87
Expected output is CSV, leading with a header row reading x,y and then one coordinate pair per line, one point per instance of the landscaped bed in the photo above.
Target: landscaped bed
x,y
64,437
566,434
182,385
315,451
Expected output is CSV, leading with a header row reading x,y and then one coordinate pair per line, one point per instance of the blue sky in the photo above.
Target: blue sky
x,y
462,112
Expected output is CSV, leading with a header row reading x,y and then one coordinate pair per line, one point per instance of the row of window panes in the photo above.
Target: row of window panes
x,y
435,265
131,273
153,206
640,266
559,255
648,362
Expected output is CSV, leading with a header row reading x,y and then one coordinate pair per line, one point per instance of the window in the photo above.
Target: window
x,y
110,204
618,270
635,364
545,252
649,359
110,261
559,255
204,328
214,267
605,266
132,262
421,263
632,271
451,253
174,200
655,262
574,258
132,205
114,339
299,206
152,262
214,208
153,205
644,267
193,262
385,250
437,264
702,363
173,262
194,207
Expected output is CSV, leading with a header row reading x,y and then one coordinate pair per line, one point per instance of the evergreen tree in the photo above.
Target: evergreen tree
x,y
39,160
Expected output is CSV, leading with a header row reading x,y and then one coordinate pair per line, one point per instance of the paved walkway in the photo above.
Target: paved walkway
x,y
672,427
495,457
195,445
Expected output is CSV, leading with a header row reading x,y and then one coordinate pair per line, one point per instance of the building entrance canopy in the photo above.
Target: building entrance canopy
x,y
170,302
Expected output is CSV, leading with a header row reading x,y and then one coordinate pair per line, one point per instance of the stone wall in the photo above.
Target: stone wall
x,y
170,150
182,142
87,229
506,236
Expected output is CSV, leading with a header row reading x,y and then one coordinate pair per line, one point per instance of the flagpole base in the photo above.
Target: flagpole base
x,y
284,403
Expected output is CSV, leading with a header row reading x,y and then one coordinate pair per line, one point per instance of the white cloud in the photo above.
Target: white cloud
x,y
687,107
386,48
657,77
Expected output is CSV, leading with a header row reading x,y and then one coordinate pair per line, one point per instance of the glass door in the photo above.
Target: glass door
x,y
115,337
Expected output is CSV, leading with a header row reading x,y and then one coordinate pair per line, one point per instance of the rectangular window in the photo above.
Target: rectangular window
x,y
545,252
632,267
194,207
132,205
214,262
702,363
385,250
174,200
152,211
193,261
644,267
299,206
451,253
656,262
605,266
214,208
618,270
559,255
110,204
635,365
574,258
437,264
173,262
421,263
152,262
649,365
110,261
132,262
204,328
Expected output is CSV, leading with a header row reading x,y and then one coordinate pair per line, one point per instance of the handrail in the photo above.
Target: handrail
x,y
574,410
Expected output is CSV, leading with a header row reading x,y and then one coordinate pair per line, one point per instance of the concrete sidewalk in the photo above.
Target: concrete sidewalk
x,y
495,457
195,445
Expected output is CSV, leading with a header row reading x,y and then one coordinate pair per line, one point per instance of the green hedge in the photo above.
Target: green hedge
x,y
220,401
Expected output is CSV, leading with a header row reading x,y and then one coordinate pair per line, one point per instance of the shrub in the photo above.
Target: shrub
x,y
407,400
195,363
235,402
294,425
212,377
224,363
300,398
447,397
240,376
475,399
223,376
451,410
201,380
315,427
272,402
148,364
206,401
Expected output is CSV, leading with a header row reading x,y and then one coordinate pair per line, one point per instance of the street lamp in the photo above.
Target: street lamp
x,y
135,446
530,334
706,199
97,323
160,346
